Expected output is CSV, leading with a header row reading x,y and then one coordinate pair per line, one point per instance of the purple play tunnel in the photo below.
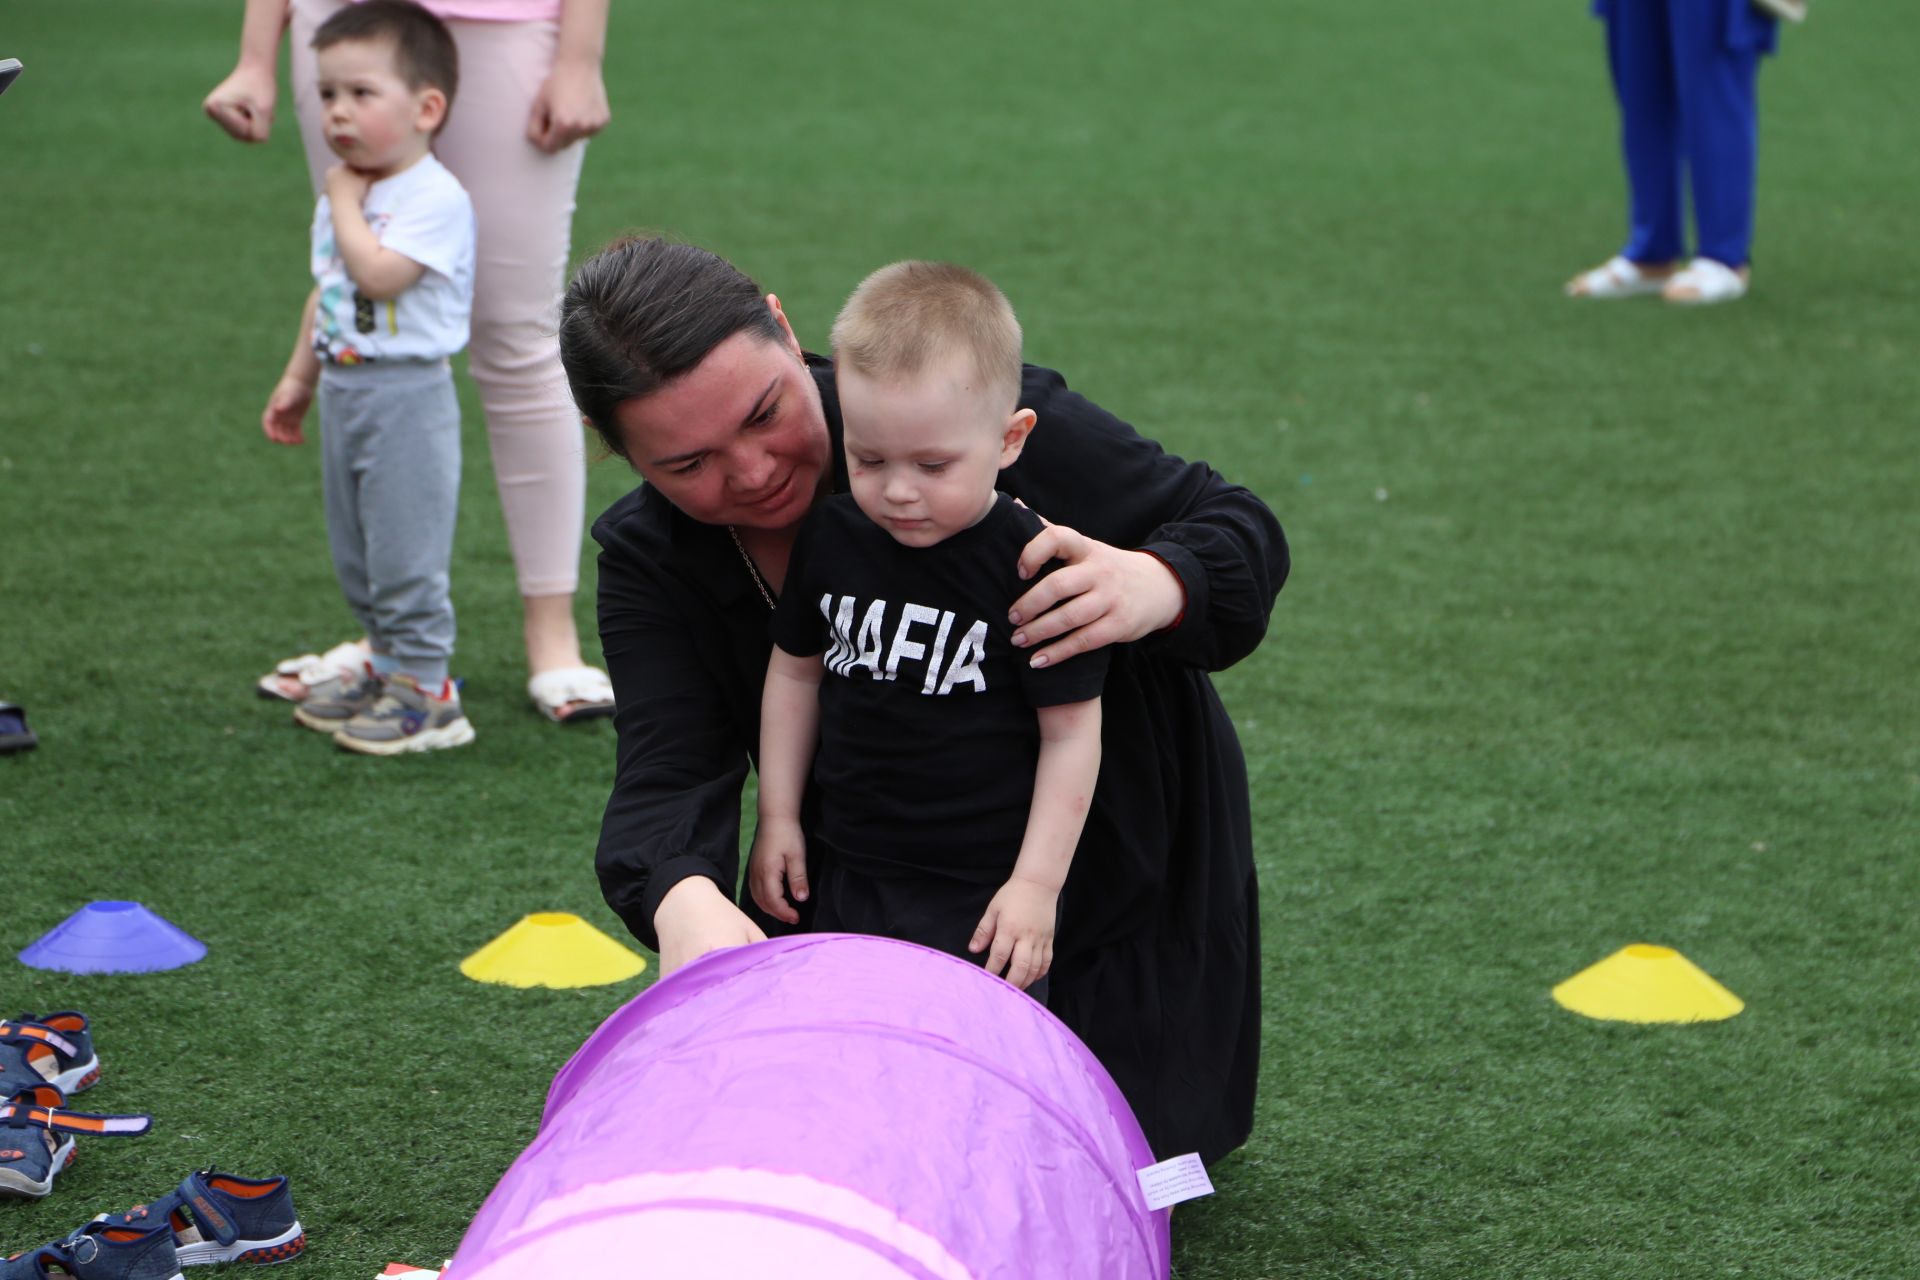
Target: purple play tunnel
x,y
827,1107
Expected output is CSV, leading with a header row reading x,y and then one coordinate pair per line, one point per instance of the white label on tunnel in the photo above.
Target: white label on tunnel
x,y
1171,1181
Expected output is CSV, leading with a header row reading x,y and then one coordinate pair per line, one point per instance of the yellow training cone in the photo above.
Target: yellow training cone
x,y
552,949
1645,983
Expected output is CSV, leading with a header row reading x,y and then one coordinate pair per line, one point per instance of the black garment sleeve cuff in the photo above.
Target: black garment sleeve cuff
x,y
639,916
1179,638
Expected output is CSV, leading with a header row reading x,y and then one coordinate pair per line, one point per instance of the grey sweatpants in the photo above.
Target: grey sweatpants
x,y
390,469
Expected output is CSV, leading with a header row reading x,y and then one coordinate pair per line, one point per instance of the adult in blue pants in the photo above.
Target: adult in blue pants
x,y
1684,72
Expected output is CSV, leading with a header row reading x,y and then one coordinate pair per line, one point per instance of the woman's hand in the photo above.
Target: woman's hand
x,y
571,105
242,104
1099,596
695,918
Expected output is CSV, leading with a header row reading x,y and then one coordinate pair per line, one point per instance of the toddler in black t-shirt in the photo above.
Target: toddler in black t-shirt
x,y
954,775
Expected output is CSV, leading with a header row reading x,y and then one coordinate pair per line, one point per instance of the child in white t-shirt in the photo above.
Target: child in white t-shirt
x,y
393,246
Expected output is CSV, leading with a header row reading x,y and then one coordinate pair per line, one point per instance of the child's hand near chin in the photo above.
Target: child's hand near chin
x,y
286,411
347,186
777,868
1019,924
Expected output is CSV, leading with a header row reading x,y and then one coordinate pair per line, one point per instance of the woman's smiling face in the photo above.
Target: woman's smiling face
x,y
741,439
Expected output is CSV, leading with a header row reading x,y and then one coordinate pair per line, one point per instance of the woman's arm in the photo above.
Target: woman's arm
x,y
1134,524
572,104
242,104
674,814
695,918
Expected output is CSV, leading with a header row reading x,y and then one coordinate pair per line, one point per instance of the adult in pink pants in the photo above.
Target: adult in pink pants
x,y
530,92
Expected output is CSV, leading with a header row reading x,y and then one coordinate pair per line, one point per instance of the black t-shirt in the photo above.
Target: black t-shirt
x,y
928,731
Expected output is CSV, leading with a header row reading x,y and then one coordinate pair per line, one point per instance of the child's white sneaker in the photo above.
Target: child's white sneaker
x,y
407,718
331,703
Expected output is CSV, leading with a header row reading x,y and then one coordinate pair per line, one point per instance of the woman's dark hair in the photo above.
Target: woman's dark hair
x,y
644,311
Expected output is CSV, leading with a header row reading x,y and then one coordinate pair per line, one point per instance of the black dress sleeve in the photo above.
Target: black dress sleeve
x,y
682,758
1084,468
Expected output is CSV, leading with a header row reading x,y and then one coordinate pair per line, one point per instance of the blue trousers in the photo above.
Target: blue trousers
x,y
1685,73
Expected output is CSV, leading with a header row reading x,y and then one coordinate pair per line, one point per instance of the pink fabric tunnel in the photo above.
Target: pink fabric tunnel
x,y
827,1107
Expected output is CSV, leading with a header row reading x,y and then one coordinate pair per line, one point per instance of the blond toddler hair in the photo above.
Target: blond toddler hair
x,y
908,316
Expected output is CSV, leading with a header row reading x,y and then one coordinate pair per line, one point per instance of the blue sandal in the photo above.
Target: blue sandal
x,y
36,1138
216,1217
55,1050
99,1252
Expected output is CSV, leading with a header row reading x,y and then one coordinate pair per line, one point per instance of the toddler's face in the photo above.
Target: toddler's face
x,y
373,120
923,453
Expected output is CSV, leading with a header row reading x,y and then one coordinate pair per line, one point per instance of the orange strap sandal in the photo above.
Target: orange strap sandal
x,y
36,1138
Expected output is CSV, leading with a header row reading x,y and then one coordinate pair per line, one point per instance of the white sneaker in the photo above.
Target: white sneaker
x,y
407,718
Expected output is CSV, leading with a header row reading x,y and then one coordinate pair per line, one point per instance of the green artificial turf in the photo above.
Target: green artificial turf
x,y
1602,625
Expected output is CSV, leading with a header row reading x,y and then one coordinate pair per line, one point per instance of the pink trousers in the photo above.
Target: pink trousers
x,y
523,202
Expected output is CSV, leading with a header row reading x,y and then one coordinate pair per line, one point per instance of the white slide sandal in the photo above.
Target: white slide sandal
x,y
1615,278
1704,283
292,679
567,694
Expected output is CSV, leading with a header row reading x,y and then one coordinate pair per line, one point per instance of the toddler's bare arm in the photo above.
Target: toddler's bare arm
x,y
789,730
1019,922
293,394
378,272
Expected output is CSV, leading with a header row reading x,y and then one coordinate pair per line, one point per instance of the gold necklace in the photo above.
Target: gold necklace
x,y
752,568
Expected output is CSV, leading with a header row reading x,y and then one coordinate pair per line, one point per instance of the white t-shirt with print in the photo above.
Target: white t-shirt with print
x,y
423,213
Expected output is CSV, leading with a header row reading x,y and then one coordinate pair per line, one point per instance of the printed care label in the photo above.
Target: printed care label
x,y
1171,1181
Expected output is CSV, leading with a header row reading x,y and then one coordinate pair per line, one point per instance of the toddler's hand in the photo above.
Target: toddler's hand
x,y
778,868
1019,923
346,187
286,410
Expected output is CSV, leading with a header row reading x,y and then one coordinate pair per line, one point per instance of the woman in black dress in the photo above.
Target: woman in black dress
x,y
694,376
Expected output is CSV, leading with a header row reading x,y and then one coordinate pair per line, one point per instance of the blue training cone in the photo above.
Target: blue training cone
x,y
113,937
